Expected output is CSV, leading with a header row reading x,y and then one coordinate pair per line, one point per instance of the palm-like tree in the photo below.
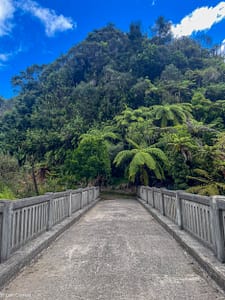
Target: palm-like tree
x,y
130,116
171,114
141,160
208,185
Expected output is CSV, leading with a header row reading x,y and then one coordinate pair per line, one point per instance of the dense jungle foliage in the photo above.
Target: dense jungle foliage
x,y
118,108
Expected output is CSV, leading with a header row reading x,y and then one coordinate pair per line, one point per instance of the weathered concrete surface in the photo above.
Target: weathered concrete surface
x,y
24,255
116,251
203,255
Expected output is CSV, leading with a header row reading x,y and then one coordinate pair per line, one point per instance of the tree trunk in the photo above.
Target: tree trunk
x,y
34,179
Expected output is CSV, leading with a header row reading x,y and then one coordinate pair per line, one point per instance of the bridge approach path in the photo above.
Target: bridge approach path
x,y
117,251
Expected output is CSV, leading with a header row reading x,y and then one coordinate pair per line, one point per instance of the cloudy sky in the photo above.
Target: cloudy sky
x,y
38,31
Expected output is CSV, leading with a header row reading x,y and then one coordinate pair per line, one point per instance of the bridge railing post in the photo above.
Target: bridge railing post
x,y
6,230
153,198
217,228
87,192
95,192
92,193
82,198
150,196
70,192
50,211
147,195
179,210
142,192
162,202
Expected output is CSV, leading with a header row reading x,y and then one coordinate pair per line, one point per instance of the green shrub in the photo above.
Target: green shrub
x,y
6,193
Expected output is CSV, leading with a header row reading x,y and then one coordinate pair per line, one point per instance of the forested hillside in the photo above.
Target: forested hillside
x,y
118,107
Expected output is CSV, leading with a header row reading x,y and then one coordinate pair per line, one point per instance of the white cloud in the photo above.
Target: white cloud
x,y
202,18
53,23
6,15
48,17
4,57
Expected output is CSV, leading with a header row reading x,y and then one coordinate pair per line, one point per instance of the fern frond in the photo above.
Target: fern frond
x,y
148,160
158,153
202,172
122,156
132,143
159,172
200,179
136,163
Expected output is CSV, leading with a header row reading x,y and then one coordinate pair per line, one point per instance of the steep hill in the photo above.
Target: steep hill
x,y
122,80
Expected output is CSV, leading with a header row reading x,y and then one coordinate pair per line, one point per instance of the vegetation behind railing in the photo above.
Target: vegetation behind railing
x,y
24,219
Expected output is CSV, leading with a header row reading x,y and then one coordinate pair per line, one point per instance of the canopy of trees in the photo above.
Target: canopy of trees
x,y
117,106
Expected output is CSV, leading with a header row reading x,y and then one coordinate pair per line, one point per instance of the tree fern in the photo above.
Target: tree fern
x,y
171,113
141,160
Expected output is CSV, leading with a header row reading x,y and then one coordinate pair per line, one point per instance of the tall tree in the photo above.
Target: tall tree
x,y
161,31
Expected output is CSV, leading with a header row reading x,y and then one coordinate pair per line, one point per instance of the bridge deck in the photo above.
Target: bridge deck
x,y
116,251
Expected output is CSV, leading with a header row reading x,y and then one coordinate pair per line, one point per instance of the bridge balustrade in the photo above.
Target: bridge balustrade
x,y
201,216
24,219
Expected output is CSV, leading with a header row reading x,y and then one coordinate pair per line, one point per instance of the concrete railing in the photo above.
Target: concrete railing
x,y
23,220
201,216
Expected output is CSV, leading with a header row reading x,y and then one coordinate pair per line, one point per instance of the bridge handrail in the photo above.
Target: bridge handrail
x,y
24,219
201,216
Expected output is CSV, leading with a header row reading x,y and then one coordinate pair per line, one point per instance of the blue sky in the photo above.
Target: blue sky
x,y
38,31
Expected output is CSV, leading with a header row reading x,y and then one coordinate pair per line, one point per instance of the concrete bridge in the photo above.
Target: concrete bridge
x,y
116,250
